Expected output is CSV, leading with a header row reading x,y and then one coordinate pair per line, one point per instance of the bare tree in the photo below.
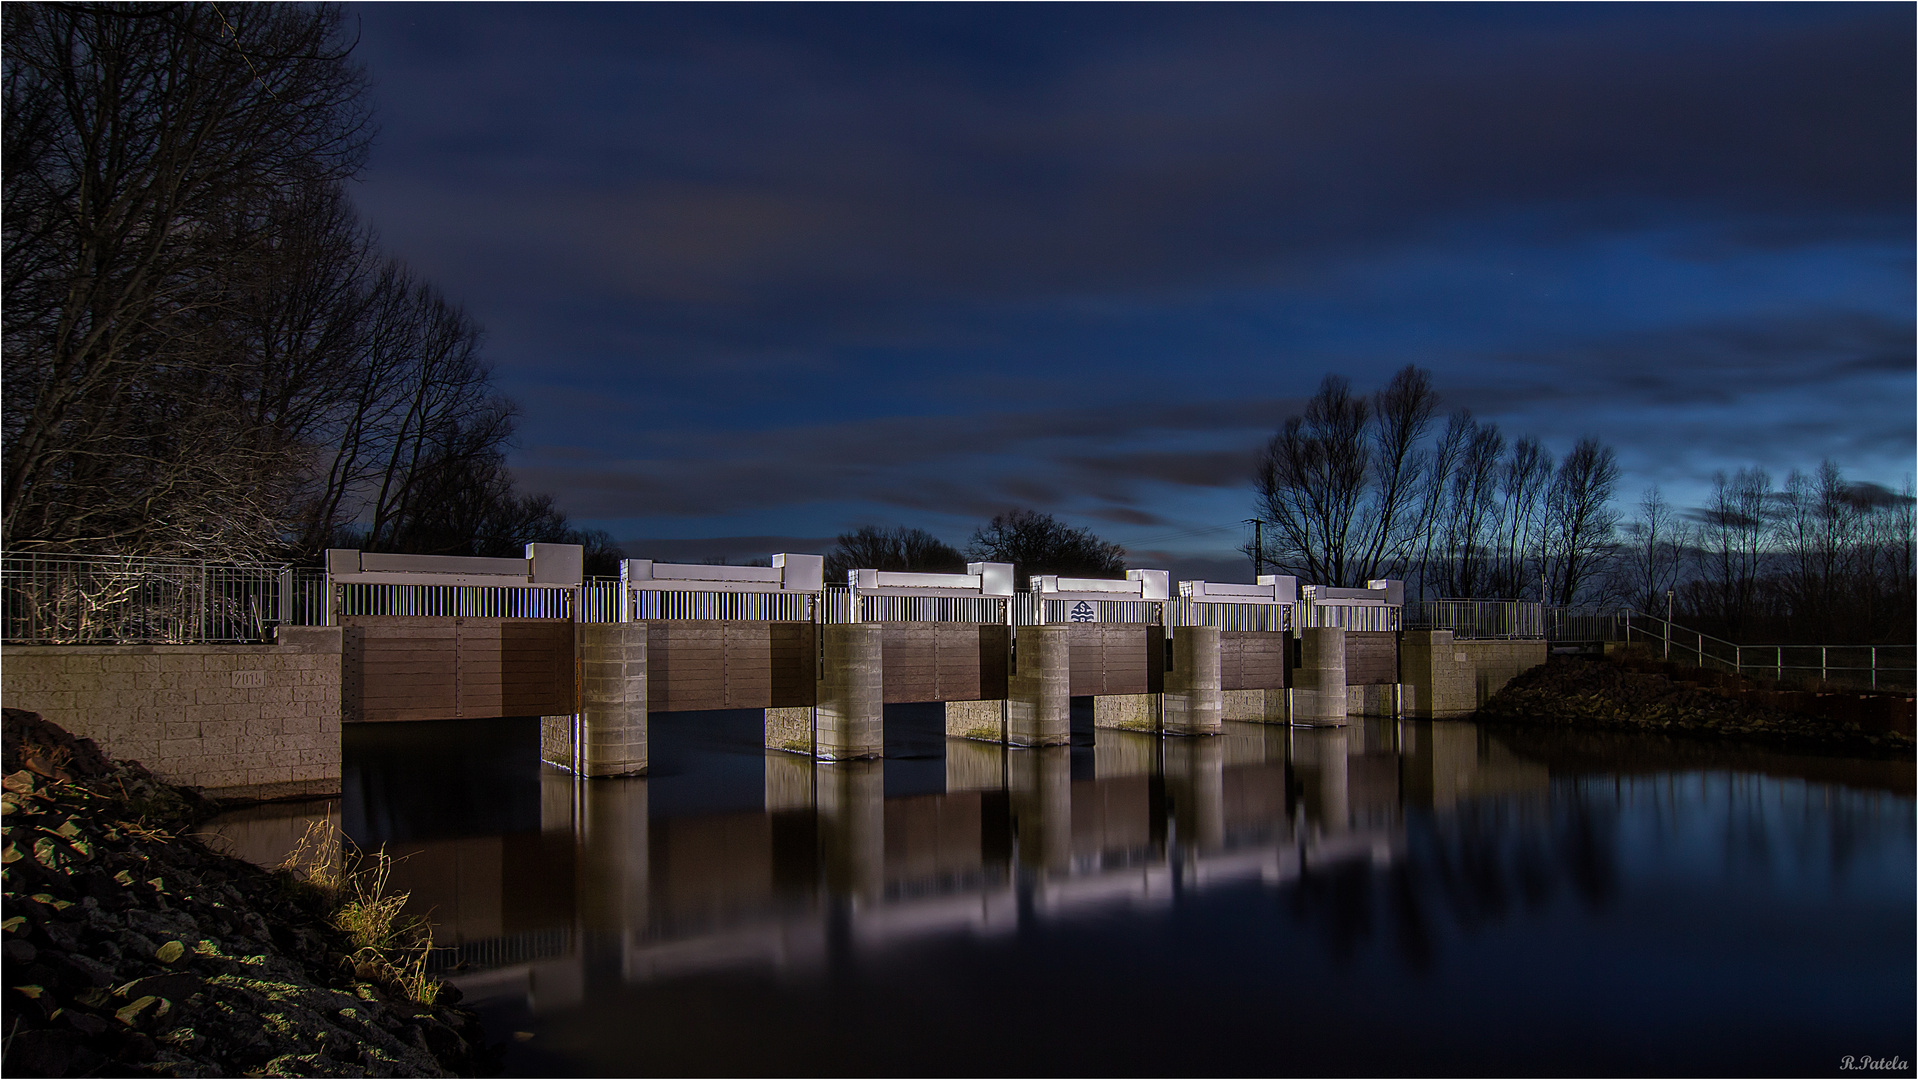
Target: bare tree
x,y
1652,561
1341,484
1464,568
147,151
870,547
1036,543
1580,520
1520,529
1734,526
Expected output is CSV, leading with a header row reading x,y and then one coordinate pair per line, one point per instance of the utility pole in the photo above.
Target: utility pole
x,y
1258,546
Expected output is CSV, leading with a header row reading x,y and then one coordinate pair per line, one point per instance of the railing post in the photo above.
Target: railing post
x,y
1824,663
1874,667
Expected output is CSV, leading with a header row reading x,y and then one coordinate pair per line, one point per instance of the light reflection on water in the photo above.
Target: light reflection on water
x,y
1382,897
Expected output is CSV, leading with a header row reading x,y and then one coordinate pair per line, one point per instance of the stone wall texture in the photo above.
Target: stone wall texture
x,y
1446,678
1495,663
236,721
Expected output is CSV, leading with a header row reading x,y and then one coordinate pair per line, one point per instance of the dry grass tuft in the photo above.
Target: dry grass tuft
x,y
389,947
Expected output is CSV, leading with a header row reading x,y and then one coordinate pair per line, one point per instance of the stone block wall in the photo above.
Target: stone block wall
x,y
236,721
1373,699
1496,663
1257,706
1126,712
983,720
1447,679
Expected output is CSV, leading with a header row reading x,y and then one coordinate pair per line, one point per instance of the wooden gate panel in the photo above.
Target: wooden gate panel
x,y
699,664
438,668
1371,657
685,666
943,661
1254,659
794,665
1116,659
749,665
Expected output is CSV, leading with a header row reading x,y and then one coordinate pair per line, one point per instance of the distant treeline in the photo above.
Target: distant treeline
x,y
1033,542
1821,559
1357,488
206,352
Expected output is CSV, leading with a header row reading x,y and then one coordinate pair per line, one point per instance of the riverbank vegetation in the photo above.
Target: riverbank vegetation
x,y
1632,692
134,946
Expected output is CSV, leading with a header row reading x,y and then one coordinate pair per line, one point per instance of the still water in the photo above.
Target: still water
x,y
1389,897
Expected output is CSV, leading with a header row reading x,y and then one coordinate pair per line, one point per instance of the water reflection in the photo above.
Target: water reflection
x,y
1420,844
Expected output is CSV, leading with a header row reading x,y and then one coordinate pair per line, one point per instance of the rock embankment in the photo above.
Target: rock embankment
x,y
1605,694
132,948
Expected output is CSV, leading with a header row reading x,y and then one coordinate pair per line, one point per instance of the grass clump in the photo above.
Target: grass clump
x,y
390,948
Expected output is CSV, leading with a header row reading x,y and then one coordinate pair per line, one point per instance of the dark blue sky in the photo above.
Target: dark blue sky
x,y
760,274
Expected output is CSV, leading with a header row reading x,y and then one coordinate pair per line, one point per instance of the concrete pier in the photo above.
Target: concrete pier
x,y
1319,696
1193,701
612,692
1038,692
607,736
849,716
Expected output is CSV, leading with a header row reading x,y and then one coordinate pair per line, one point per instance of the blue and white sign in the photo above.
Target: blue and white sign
x,y
1083,611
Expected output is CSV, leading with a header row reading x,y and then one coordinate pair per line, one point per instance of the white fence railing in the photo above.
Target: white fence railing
x,y
73,599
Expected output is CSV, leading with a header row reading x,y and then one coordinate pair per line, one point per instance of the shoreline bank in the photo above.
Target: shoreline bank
x,y
133,946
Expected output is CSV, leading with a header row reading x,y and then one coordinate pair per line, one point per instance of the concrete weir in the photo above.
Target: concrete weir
x,y
264,720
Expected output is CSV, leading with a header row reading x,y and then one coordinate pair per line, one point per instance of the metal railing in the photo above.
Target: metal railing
x,y
53,599
1479,619
83,599
1375,618
1585,623
650,605
1873,667
1234,616
449,600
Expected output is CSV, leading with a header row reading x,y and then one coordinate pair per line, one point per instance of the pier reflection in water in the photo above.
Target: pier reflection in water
x,y
1378,896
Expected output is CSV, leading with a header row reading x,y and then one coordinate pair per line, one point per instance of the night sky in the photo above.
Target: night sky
x,y
757,275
